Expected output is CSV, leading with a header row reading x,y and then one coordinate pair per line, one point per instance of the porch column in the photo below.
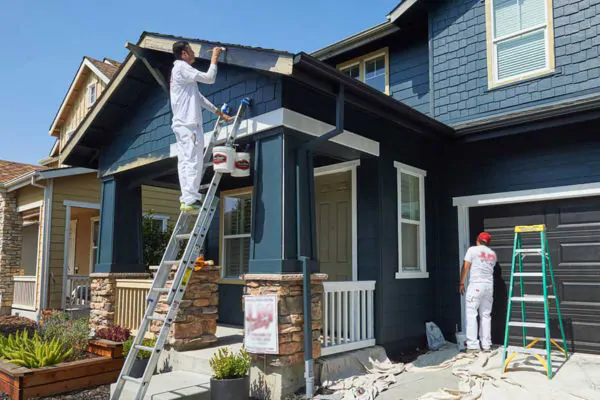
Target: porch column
x,y
274,268
10,248
120,242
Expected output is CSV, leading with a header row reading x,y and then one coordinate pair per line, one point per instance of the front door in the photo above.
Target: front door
x,y
333,197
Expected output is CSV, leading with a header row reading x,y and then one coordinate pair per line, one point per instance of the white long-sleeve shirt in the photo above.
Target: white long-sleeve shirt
x,y
186,100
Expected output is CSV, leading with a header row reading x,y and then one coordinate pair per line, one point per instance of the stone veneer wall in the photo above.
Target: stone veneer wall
x,y
276,376
11,239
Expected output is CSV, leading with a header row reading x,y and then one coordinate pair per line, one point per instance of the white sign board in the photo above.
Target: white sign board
x,y
261,328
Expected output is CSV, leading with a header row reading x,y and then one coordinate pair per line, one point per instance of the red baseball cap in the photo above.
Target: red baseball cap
x,y
485,237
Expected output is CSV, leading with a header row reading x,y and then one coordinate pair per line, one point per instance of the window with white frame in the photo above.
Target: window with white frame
x,y
91,94
411,222
95,238
236,224
159,221
371,69
521,41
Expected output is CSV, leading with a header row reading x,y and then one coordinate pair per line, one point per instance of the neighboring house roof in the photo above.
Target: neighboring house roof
x,y
357,40
104,70
10,170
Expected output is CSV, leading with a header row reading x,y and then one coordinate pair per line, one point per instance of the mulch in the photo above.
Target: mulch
x,y
97,393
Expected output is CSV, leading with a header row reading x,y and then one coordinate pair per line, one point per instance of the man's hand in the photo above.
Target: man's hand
x,y
216,52
462,289
224,116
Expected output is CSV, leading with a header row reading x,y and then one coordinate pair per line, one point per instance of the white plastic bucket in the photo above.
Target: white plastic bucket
x,y
242,165
461,340
223,159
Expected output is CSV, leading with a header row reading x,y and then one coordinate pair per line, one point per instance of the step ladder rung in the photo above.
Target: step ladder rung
x,y
527,324
155,318
531,274
144,348
529,251
132,379
531,299
523,350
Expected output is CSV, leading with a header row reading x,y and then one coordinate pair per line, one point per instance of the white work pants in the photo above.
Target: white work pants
x,y
190,150
479,299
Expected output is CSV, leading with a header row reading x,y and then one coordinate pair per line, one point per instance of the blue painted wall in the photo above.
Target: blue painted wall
x,y
409,74
148,133
460,63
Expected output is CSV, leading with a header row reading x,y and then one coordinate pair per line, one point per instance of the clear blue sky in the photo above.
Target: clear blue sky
x,y
44,42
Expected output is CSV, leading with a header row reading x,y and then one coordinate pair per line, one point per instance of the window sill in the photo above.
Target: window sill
x,y
231,281
526,79
412,275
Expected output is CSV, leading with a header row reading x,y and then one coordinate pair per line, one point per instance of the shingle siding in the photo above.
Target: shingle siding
x,y
460,61
148,134
409,74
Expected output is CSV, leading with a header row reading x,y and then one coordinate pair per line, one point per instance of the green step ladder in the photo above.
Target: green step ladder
x,y
519,253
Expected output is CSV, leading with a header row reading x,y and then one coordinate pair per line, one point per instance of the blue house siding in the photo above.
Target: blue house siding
x,y
409,74
557,160
148,135
460,61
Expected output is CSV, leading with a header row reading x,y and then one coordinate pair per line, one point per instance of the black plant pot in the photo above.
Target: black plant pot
x,y
138,368
230,389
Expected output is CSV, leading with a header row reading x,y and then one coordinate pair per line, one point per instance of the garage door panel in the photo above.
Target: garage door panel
x,y
573,230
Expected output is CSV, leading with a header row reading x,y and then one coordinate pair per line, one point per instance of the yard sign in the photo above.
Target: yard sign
x,y
261,333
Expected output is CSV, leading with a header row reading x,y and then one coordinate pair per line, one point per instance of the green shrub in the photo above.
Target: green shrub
x,y
142,354
228,365
73,333
32,352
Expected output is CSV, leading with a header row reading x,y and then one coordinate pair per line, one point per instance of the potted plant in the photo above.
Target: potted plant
x,y
108,342
141,361
230,380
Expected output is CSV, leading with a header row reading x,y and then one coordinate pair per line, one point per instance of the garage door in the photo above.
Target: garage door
x,y
574,239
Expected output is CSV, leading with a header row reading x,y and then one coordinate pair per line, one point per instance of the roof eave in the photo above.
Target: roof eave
x,y
355,41
400,10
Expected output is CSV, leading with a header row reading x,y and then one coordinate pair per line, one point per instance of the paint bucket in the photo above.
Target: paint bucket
x,y
461,340
242,165
223,159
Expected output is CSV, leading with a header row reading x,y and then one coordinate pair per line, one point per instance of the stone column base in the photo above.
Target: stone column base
x,y
277,376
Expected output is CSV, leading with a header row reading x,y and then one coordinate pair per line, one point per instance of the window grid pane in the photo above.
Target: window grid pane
x,y
352,72
521,54
237,224
375,73
410,192
411,245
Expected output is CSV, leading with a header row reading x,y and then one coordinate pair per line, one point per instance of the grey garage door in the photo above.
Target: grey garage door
x,y
574,239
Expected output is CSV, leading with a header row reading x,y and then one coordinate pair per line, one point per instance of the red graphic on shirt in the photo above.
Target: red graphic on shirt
x,y
487,257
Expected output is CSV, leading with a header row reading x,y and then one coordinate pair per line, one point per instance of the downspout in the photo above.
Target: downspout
x,y
306,241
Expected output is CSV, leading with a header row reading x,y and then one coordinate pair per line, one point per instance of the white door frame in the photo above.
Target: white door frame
x,y
464,203
344,167
68,204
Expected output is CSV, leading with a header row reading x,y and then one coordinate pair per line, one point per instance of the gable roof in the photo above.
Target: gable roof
x,y
104,71
400,9
10,170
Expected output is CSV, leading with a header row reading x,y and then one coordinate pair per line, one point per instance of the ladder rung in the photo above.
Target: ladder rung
x,y
531,299
160,290
527,324
172,262
530,228
132,379
523,350
155,318
529,251
183,236
529,274
144,348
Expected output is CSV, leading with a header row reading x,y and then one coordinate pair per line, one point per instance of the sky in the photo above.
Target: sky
x,y
44,42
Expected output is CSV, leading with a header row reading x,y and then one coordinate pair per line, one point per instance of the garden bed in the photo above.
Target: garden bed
x,y
24,383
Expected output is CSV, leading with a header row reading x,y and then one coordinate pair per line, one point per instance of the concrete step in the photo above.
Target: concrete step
x,y
171,385
196,361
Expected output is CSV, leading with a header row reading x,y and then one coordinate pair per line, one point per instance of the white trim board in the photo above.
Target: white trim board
x,y
30,206
62,172
299,122
463,203
81,204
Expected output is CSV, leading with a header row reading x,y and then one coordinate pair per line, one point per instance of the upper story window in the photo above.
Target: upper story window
x,y
91,94
372,69
520,40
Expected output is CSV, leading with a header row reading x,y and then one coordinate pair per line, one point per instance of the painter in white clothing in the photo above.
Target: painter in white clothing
x,y
480,260
187,103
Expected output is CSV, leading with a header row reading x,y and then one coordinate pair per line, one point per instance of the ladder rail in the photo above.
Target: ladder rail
x,y
560,321
509,306
546,311
195,240
522,290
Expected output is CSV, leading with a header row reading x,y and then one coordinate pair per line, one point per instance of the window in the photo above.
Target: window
x,y
372,69
236,223
91,94
520,40
411,222
159,221
95,237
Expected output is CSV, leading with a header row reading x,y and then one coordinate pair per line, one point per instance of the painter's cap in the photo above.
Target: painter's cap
x,y
485,237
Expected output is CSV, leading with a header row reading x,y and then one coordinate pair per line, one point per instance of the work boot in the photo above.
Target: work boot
x,y
193,208
472,351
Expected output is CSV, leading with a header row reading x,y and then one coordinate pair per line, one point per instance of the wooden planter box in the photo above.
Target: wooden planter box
x,y
23,383
106,348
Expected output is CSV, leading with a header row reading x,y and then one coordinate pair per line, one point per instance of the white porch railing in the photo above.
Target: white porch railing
x,y
130,303
348,316
24,291
78,293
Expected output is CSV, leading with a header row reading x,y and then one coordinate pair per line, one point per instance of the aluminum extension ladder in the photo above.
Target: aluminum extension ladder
x,y
519,253
185,265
